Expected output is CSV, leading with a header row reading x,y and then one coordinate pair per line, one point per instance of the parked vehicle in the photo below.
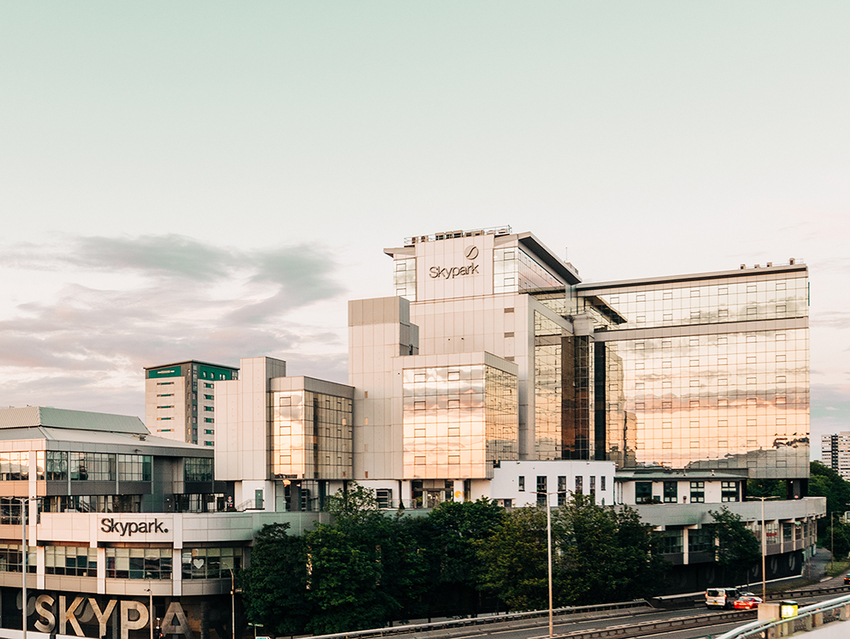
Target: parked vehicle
x,y
721,597
846,579
746,603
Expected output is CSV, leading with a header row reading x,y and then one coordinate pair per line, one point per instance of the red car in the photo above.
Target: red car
x,y
746,603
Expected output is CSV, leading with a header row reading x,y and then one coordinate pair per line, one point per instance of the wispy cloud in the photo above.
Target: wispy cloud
x,y
170,297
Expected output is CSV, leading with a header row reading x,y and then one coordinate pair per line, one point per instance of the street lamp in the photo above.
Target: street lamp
x,y
150,607
549,556
24,556
763,548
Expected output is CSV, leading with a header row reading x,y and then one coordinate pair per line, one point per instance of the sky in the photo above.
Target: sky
x,y
214,180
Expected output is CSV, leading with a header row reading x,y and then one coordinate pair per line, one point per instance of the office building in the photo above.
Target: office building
x,y
118,520
703,371
284,443
180,400
706,371
835,453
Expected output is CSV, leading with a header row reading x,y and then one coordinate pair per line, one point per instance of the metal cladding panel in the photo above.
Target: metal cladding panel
x,y
73,419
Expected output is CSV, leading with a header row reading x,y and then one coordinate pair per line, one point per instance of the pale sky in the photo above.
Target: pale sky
x,y
214,180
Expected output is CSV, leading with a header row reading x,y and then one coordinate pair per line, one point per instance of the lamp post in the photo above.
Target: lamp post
x,y
763,549
549,557
831,543
150,608
233,603
24,556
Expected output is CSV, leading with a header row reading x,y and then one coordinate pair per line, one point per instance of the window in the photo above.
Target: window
x,y
643,492
11,558
209,408
210,563
384,497
562,490
697,492
521,483
138,563
671,494
207,385
701,540
602,483
729,491
579,485
672,542
198,469
92,466
80,561
541,483
134,467
209,396
14,466
592,485
209,420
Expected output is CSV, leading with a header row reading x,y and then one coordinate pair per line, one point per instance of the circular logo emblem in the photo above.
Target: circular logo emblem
x,y
471,252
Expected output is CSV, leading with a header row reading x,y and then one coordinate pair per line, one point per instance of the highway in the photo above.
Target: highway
x,y
644,623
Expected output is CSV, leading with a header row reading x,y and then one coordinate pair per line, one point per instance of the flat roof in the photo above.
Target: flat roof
x,y
191,361
694,277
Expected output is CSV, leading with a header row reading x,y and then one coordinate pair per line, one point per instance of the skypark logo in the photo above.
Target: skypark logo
x,y
129,528
453,272
449,273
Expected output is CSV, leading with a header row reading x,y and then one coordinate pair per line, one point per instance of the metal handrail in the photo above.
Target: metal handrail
x,y
477,621
761,626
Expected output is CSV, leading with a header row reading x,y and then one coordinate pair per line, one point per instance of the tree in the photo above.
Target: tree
x,y
274,588
365,568
514,560
449,539
604,554
825,482
737,549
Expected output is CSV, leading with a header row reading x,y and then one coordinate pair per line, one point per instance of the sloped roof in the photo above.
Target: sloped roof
x,y
32,416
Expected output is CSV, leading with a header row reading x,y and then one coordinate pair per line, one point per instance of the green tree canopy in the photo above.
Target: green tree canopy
x,y
737,548
514,560
274,588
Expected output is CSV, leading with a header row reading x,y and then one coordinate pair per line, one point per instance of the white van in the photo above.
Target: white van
x,y
721,597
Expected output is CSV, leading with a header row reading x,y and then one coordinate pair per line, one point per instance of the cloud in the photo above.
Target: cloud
x,y
832,319
169,298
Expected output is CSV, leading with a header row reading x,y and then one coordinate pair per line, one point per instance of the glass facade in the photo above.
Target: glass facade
x,y
738,400
79,561
138,563
547,387
11,558
210,563
197,469
733,299
311,435
92,504
712,374
458,420
404,278
14,466
514,271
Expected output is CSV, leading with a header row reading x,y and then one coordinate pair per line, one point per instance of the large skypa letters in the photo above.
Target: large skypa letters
x,y
133,616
